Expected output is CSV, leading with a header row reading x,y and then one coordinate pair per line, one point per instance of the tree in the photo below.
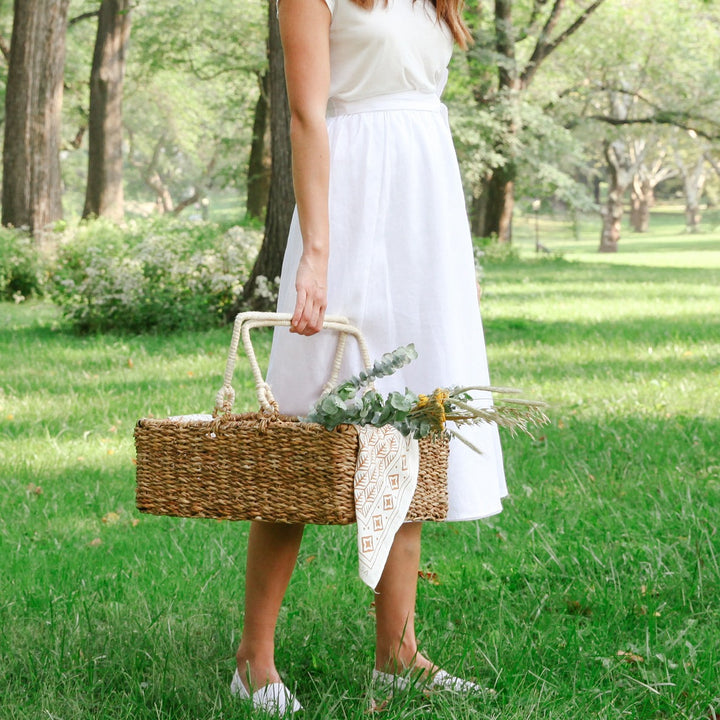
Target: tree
x,y
259,165
622,168
650,173
190,88
626,83
690,159
502,46
281,201
104,190
32,192
623,161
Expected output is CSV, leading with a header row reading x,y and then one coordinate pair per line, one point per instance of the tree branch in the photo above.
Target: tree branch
x,y
713,163
544,47
4,49
532,23
197,190
83,16
662,118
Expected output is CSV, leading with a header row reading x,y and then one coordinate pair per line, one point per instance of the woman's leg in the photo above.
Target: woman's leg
x,y
272,552
396,645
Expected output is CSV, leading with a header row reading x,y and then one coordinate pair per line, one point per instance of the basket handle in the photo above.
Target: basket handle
x,y
244,322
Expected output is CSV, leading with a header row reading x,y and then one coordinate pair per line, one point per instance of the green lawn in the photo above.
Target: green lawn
x,y
666,245
595,594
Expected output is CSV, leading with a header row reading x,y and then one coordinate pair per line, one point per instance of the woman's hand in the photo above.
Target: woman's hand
x,y
311,287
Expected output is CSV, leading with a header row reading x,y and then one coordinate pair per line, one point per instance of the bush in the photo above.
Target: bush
x,y
22,268
151,275
494,251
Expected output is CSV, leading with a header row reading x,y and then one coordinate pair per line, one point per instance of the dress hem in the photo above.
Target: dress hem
x,y
491,513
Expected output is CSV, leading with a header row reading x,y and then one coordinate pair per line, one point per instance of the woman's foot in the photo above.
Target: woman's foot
x,y
273,698
424,680
256,672
260,682
408,661
420,672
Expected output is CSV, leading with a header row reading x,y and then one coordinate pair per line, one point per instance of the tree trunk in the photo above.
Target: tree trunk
x,y
163,199
647,202
693,185
258,180
32,191
642,199
692,218
104,192
501,188
500,204
622,168
635,203
478,208
281,201
611,222
613,211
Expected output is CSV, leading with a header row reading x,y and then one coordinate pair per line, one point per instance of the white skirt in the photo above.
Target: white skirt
x,y
401,269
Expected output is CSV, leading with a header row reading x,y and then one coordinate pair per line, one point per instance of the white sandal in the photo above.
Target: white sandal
x,y
441,680
274,698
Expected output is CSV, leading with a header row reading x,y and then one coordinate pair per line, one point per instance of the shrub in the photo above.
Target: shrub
x,y
151,275
22,268
494,251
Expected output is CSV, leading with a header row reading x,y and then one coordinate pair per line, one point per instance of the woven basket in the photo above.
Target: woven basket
x,y
267,466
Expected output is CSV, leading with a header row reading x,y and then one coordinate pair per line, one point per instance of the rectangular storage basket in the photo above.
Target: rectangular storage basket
x,y
267,466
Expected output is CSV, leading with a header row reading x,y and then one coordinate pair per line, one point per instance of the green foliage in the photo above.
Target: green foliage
x,y
153,275
189,93
492,251
550,160
353,401
191,89
22,267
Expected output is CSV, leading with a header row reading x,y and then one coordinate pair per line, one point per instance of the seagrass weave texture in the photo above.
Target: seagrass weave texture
x,y
260,467
267,466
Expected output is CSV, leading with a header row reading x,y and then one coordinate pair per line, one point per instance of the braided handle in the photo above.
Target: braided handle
x,y
247,321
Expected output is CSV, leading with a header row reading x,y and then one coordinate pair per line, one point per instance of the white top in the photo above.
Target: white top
x,y
389,49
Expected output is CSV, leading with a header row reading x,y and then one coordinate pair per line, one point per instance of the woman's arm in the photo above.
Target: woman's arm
x,y
305,32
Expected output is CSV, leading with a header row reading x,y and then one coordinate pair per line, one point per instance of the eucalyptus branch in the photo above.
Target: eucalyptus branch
x,y
354,401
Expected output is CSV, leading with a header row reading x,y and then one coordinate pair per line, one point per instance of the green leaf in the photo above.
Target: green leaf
x,y
346,391
354,407
331,404
400,402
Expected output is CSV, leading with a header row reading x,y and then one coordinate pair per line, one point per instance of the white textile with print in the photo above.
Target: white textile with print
x,y
385,480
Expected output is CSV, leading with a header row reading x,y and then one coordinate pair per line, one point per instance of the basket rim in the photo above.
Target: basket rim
x,y
257,418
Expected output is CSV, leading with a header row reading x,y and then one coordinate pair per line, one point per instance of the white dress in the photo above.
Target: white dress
x,y
401,263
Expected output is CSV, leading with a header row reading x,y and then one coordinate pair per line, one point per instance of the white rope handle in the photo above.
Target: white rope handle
x,y
247,321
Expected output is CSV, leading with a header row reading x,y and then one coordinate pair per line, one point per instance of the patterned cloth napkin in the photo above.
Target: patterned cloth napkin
x,y
385,481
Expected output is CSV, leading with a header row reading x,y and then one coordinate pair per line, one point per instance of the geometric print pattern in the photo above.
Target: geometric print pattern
x,y
385,480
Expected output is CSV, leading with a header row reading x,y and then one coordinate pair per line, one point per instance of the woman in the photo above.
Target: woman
x,y
380,236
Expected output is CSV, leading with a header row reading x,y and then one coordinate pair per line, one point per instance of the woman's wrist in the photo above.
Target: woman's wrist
x,y
316,251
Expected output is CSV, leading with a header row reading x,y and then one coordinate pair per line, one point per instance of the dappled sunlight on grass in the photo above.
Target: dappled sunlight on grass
x,y
593,595
666,245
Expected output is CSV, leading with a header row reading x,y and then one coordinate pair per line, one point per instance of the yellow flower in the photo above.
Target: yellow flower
x,y
422,401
